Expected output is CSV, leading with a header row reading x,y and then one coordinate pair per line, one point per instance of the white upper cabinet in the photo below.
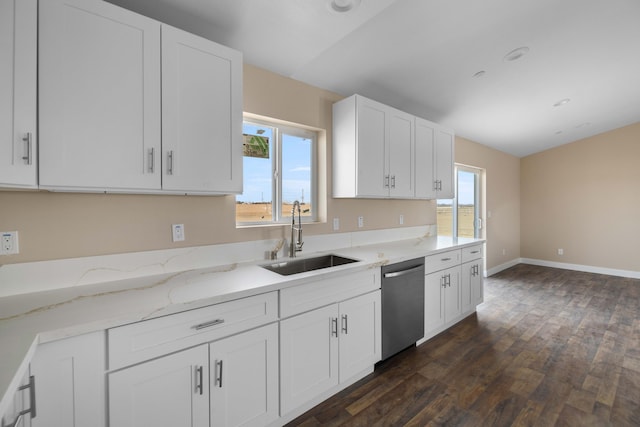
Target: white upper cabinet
x,y
18,98
372,150
382,152
201,114
435,156
401,154
99,101
130,105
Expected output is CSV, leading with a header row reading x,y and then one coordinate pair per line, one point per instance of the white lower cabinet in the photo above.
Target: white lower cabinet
x,y
231,382
326,346
442,298
453,287
166,392
70,382
471,285
18,413
244,378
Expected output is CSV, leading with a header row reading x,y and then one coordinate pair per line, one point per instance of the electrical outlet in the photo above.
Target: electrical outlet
x,y
360,221
560,251
401,219
9,243
178,232
336,224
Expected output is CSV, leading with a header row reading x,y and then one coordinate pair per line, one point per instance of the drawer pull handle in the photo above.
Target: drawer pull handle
x,y
345,327
208,324
475,252
334,326
445,259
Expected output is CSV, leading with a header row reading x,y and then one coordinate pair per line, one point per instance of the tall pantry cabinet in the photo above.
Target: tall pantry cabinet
x,y
18,97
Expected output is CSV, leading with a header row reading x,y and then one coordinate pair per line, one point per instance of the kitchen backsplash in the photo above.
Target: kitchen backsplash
x,y
40,276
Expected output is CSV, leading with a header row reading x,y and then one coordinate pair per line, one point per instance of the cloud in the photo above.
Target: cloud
x,y
301,169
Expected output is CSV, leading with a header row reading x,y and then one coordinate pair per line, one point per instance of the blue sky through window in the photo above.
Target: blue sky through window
x,y
296,169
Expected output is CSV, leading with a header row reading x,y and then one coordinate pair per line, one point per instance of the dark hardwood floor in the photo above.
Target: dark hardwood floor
x,y
548,347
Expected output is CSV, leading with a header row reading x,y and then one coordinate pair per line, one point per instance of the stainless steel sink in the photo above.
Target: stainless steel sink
x,y
289,267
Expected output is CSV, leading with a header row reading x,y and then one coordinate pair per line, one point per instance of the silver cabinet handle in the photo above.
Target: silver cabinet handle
x,y
199,380
402,272
218,379
386,181
208,324
393,181
334,324
345,327
170,162
151,161
445,259
475,252
443,281
32,400
28,138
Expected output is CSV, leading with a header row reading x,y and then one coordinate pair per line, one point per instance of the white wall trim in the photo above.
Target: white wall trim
x,y
586,268
566,266
499,268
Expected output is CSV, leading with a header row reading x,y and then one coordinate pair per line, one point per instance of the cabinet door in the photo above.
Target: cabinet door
x,y
452,306
201,114
444,158
308,356
433,302
477,285
401,154
372,133
18,68
17,404
466,286
99,99
244,378
166,392
70,382
424,159
360,334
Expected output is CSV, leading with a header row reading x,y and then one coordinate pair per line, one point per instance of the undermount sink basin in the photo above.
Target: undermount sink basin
x,y
289,267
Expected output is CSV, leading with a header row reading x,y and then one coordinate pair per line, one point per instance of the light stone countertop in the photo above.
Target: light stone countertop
x,y
32,318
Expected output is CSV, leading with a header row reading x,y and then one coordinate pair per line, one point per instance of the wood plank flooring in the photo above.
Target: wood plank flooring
x,y
549,347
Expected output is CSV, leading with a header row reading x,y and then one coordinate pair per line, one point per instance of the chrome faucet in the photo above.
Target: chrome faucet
x,y
297,246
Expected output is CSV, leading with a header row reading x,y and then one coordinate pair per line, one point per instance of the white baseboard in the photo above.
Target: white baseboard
x,y
586,268
566,266
499,268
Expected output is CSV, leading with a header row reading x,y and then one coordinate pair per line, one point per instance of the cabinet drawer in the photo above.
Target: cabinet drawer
x,y
309,296
441,261
148,339
471,253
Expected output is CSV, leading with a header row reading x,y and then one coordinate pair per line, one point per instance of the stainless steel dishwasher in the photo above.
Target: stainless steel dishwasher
x,y
402,305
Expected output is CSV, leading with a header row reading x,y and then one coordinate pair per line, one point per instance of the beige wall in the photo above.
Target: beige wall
x,y
63,225
583,197
502,199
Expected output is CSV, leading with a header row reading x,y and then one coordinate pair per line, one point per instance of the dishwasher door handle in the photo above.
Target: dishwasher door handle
x,y
403,272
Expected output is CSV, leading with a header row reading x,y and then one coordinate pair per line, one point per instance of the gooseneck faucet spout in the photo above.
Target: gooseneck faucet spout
x,y
297,245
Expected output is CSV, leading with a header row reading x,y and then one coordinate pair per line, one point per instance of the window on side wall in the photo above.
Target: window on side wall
x,y
279,167
462,215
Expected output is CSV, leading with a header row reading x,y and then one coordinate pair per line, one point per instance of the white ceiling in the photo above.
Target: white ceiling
x,y
421,56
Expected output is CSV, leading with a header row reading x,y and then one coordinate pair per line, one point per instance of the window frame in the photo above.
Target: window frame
x,y
479,177
281,128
